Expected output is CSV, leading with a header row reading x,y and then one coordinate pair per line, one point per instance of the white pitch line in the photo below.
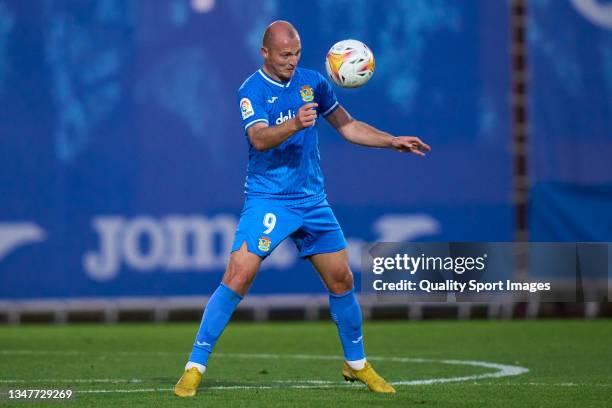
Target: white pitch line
x,y
536,384
502,370
76,380
81,352
218,387
122,391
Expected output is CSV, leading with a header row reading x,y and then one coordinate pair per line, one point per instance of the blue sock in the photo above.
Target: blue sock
x,y
346,313
217,314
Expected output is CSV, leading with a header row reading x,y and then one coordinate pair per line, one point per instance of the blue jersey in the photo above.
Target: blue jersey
x,y
291,170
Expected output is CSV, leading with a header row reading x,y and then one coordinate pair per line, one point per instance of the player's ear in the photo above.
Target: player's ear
x,y
264,52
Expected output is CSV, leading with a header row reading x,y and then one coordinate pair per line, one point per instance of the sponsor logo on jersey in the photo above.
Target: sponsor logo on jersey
x,y
283,118
246,108
272,99
264,244
307,93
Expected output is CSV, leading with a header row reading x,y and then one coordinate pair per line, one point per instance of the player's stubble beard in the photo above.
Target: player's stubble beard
x,y
285,73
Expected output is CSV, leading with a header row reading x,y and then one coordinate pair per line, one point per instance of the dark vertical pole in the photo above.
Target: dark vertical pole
x,y
518,58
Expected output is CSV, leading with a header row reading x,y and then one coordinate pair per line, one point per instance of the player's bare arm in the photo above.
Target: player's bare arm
x,y
264,137
363,134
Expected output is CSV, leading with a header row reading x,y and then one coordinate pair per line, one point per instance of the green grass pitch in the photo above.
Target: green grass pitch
x,y
298,364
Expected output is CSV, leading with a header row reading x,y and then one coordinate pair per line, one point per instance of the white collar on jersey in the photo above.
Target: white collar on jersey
x,y
272,81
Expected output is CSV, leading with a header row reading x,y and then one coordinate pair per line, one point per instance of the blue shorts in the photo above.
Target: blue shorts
x,y
265,223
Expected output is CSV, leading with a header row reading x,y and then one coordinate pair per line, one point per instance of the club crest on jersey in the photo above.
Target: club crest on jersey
x,y
246,108
264,244
307,93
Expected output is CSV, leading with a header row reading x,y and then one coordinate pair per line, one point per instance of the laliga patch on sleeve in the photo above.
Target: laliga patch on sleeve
x,y
246,108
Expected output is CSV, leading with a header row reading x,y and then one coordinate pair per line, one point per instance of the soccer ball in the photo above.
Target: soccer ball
x,y
349,63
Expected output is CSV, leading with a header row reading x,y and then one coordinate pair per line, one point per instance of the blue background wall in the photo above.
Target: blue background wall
x,y
570,111
118,120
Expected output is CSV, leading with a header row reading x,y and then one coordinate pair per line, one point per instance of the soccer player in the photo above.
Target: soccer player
x,y
279,105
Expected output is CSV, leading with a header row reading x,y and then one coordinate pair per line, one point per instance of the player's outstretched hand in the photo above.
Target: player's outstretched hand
x,y
410,144
306,116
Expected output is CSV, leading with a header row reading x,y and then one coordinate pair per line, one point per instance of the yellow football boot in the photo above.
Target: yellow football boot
x,y
187,386
368,376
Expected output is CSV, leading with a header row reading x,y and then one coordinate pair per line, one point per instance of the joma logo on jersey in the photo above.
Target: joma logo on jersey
x,y
283,118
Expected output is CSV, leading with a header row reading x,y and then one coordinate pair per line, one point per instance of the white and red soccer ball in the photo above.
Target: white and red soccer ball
x,y
349,63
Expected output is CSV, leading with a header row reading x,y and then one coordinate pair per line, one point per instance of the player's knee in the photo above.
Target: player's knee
x,y
239,278
342,280
240,274
238,282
